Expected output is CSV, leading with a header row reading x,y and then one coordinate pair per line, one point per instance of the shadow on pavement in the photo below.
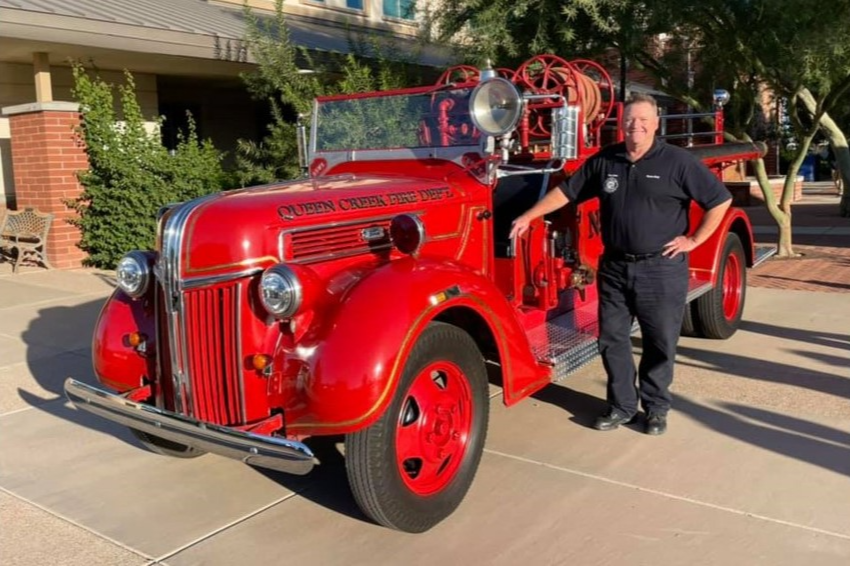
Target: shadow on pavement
x,y
792,424
583,408
327,485
788,436
50,371
789,442
765,370
809,336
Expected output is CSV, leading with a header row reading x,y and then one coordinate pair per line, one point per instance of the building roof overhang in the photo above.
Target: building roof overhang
x,y
182,32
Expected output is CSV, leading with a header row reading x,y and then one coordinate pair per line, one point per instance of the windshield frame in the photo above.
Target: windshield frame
x,y
434,150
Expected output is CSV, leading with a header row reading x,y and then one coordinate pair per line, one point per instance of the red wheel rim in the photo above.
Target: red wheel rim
x,y
732,287
434,428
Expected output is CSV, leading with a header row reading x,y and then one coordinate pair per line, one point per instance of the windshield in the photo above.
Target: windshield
x,y
386,121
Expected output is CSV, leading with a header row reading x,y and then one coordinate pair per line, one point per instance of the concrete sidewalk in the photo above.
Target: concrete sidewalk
x,y
814,217
754,469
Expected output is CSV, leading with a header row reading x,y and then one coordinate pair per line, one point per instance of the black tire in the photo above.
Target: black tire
x,y
165,447
386,487
688,327
719,312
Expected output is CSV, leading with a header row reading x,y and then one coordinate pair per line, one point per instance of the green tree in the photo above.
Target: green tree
x,y
131,175
796,48
289,78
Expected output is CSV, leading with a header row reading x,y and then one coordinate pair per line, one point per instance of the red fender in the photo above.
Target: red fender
x,y
116,363
351,367
707,258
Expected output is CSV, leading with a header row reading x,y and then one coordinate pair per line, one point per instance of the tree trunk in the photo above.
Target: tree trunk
x,y
838,144
782,214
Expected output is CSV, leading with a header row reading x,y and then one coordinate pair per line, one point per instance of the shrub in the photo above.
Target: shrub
x,y
280,78
131,174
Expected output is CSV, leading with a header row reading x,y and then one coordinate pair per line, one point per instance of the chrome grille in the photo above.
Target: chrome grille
x,y
212,323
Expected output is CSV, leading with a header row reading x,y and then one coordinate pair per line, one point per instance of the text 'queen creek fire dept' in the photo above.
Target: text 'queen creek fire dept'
x,y
295,210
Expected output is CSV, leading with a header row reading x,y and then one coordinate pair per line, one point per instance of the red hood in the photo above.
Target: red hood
x,y
242,228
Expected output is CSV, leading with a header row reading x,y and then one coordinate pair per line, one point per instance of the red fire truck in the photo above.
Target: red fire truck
x,y
377,297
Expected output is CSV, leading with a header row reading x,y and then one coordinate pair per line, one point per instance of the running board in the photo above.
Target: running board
x,y
762,253
697,286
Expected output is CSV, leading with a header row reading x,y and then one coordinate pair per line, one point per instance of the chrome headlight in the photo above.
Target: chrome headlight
x,y
280,291
134,274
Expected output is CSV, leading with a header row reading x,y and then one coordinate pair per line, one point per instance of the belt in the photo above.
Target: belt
x,y
632,258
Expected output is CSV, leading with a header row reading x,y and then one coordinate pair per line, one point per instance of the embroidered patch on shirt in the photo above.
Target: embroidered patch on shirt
x,y
611,185
653,177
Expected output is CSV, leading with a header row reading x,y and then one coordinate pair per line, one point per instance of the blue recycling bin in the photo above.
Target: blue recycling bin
x,y
808,168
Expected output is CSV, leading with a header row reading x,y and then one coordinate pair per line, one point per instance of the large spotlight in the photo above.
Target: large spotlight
x,y
495,107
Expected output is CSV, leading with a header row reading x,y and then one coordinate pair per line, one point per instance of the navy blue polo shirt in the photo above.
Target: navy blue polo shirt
x,y
644,205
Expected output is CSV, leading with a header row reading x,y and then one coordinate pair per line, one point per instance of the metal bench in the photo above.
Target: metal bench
x,y
24,234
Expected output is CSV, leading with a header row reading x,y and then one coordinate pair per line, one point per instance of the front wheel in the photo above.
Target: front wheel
x,y
719,312
413,466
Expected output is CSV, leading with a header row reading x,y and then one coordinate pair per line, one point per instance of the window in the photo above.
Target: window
x,y
349,4
176,122
402,9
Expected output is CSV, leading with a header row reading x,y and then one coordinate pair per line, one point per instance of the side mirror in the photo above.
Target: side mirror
x,y
301,141
720,97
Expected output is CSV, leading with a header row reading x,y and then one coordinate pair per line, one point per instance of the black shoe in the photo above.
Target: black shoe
x,y
656,424
612,420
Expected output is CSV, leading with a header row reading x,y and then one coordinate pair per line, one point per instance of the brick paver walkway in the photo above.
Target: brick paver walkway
x,y
824,262
820,268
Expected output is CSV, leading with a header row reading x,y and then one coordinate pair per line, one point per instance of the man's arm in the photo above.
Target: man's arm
x,y
711,219
553,200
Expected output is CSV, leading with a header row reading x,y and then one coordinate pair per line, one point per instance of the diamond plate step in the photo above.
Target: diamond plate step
x,y
567,342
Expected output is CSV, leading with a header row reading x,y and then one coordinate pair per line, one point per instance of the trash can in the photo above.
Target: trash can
x,y
808,168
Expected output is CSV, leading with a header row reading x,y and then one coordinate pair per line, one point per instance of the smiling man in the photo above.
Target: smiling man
x,y
645,187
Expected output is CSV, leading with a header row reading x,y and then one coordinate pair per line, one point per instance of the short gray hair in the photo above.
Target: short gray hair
x,y
637,97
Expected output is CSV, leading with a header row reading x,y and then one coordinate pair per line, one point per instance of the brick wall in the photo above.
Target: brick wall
x,y
46,154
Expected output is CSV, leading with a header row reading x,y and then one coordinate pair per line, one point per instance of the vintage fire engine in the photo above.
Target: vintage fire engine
x,y
377,297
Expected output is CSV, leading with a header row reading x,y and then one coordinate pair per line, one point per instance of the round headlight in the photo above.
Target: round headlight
x,y
280,291
134,274
495,107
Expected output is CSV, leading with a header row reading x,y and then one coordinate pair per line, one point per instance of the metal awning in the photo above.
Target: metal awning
x,y
181,28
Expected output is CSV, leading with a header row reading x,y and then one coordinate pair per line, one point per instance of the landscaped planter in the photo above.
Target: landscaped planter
x,y
748,193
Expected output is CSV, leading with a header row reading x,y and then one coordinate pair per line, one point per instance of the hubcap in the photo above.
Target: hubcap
x,y
732,287
434,428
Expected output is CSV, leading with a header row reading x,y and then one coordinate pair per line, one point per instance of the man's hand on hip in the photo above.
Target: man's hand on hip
x,y
679,245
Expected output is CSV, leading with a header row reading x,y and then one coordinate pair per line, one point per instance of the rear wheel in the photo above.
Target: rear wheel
x,y
165,447
719,312
412,468
689,327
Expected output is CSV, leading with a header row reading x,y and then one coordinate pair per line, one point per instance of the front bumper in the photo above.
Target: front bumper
x,y
263,451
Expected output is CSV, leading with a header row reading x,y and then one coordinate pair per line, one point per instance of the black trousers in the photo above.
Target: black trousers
x,y
654,292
